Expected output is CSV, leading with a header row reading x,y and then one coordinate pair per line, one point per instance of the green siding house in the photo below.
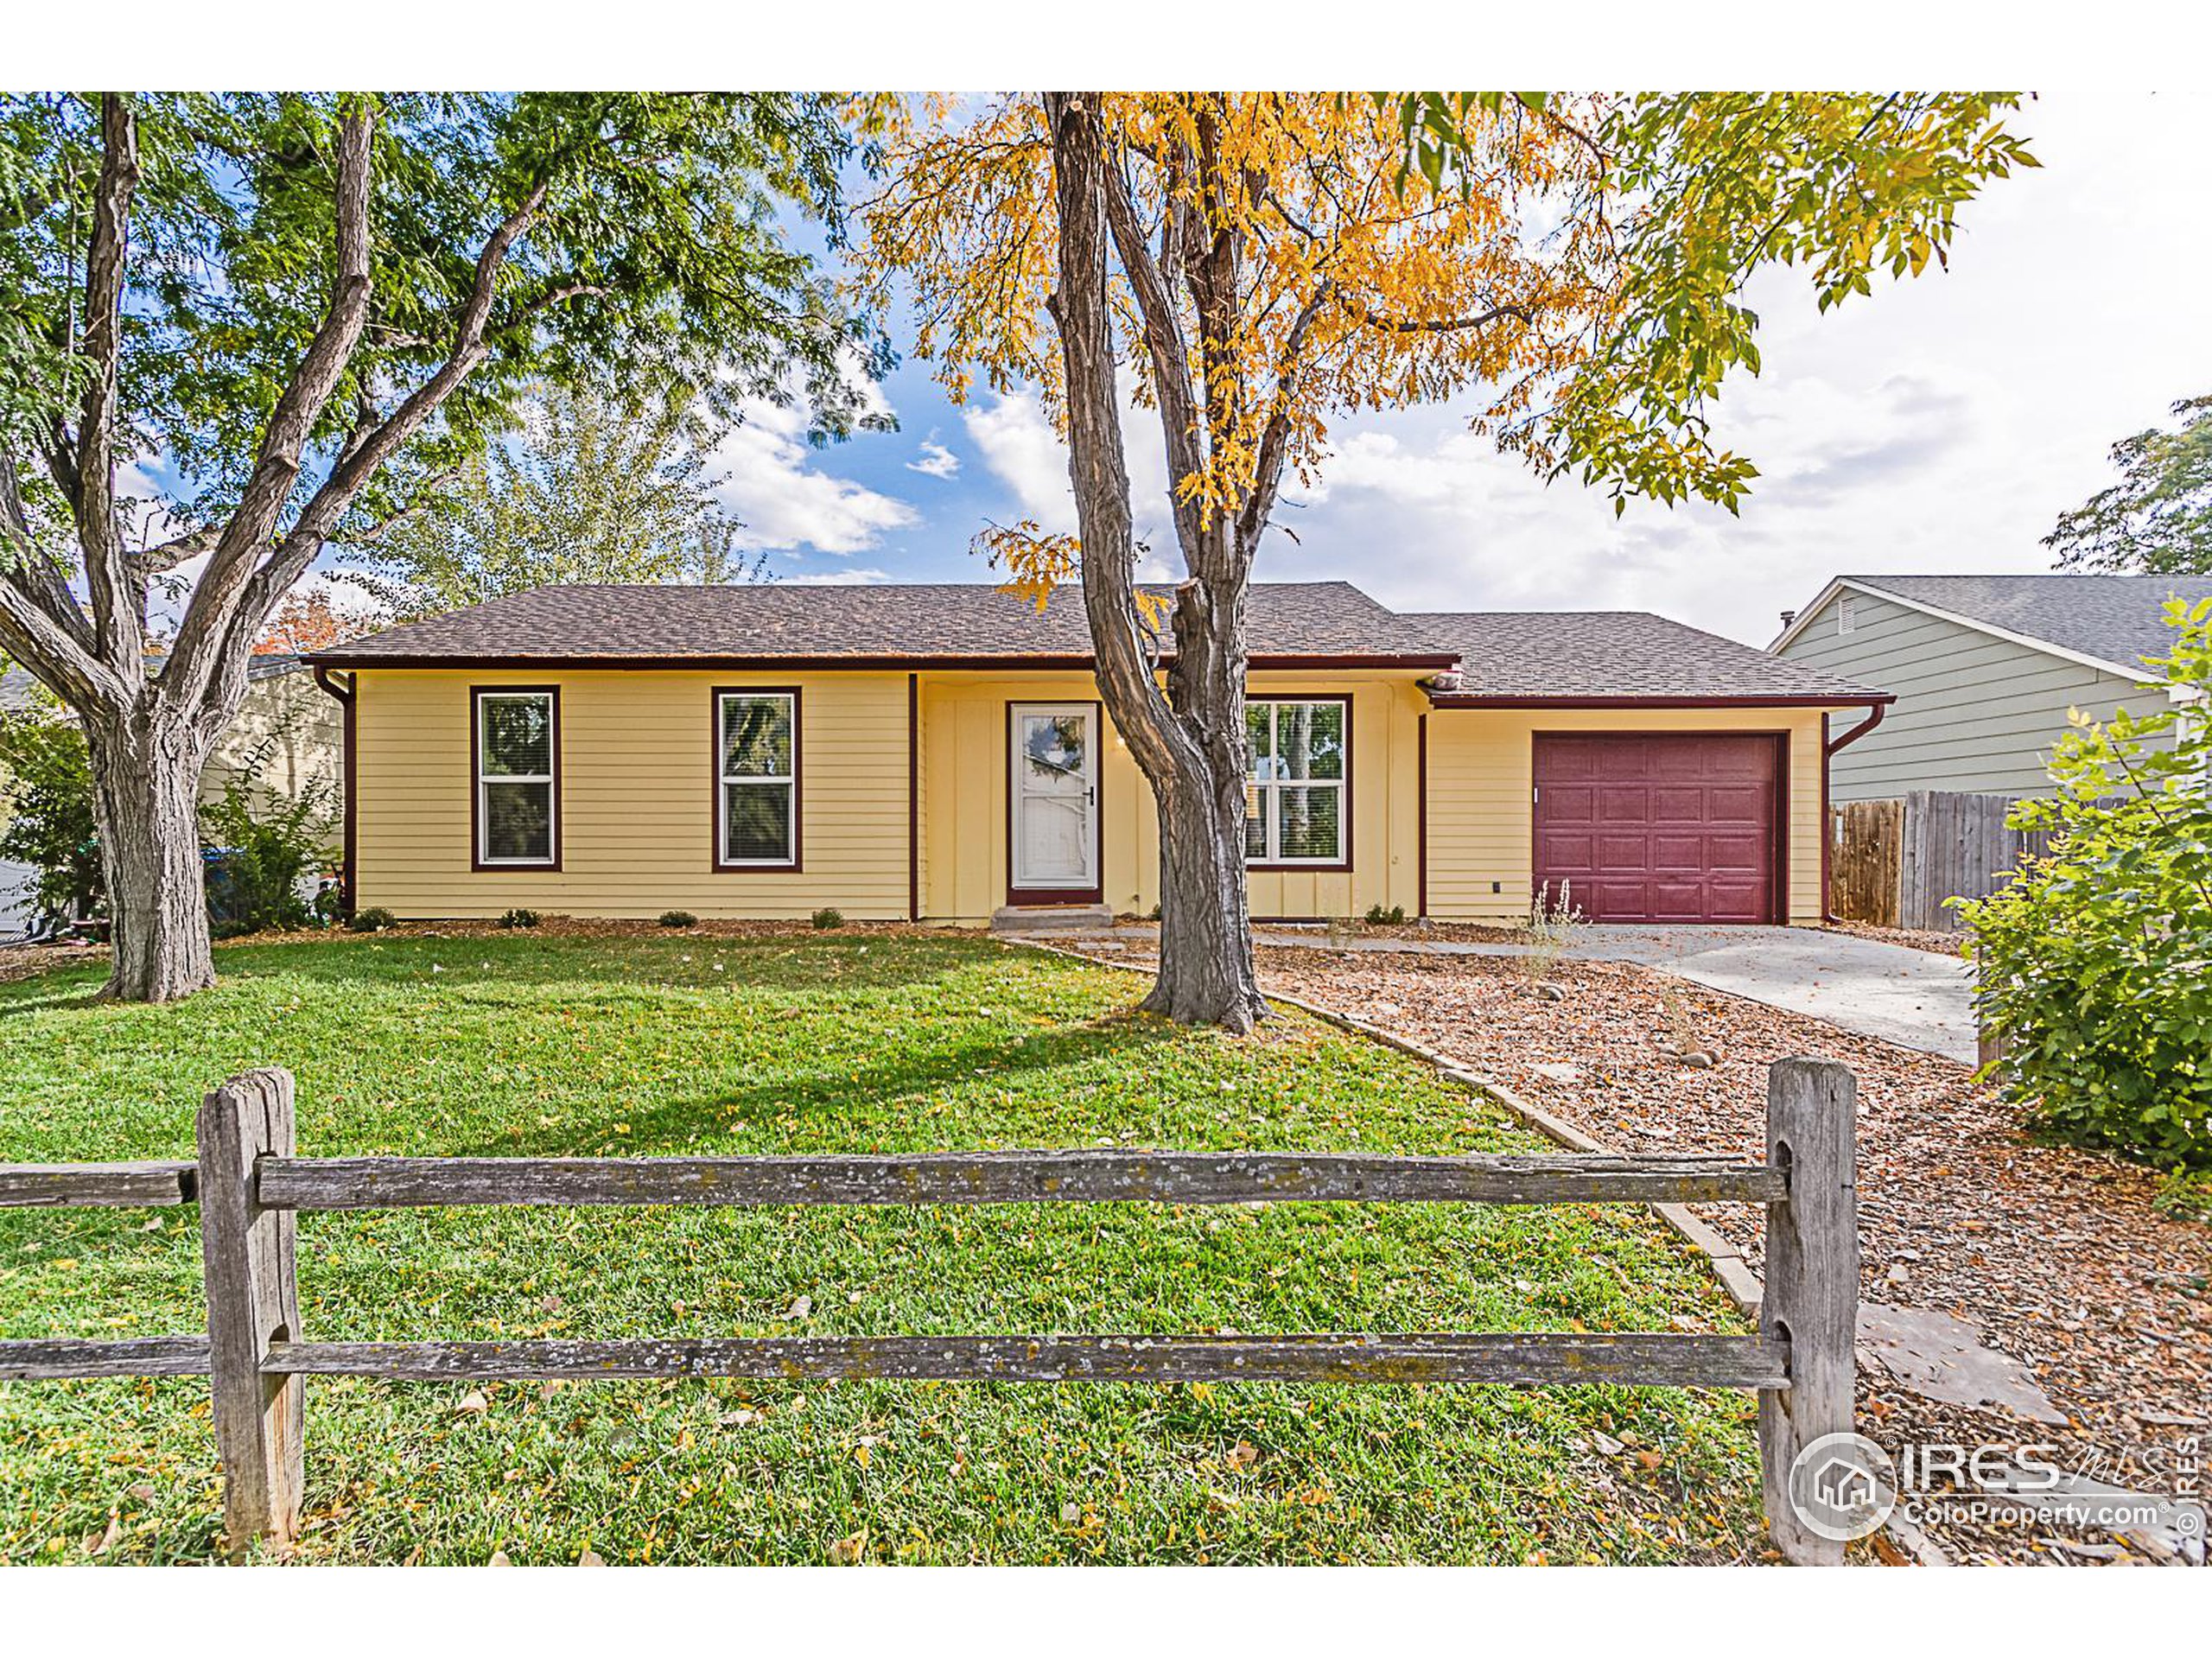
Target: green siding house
x,y
1984,670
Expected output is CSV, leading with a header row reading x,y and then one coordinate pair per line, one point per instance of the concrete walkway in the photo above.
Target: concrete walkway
x,y
1914,999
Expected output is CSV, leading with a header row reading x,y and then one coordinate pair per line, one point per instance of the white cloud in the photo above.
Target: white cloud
x,y
787,501
1020,446
838,579
1940,425
937,462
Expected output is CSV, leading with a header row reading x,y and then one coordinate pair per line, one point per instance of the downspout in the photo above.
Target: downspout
x,y
1829,748
345,696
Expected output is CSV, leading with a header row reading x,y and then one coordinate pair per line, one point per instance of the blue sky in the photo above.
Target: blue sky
x,y
1940,426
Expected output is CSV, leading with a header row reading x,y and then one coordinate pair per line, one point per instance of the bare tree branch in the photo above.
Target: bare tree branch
x,y
42,577
1274,438
1171,363
206,622
118,618
1451,325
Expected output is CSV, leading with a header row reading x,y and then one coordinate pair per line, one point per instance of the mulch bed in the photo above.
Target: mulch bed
x,y
2055,1255
21,961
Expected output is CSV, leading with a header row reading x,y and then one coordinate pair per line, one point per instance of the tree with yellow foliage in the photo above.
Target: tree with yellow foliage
x,y
1261,263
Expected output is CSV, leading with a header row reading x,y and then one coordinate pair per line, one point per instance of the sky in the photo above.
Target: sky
x,y
1940,426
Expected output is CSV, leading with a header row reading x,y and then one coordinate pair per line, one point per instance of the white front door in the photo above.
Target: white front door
x,y
1054,793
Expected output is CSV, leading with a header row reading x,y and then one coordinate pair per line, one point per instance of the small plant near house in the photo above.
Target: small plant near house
x,y
1378,917
678,919
1681,1039
829,917
2093,963
46,799
375,920
260,848
519,916
1554,924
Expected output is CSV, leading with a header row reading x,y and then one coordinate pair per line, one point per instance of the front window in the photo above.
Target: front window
x,y
1294,798
515,755
757,779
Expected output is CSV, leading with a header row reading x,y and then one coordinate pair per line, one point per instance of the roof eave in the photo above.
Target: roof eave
x,y
1426,661
1806,700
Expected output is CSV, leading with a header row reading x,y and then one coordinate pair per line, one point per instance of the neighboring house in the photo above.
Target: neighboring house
x,y
1985,669
286,738
938,753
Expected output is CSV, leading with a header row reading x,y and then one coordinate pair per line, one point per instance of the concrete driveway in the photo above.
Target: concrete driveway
x,y
1914,999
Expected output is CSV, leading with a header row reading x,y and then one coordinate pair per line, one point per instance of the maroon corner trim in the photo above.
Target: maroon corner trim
x,y
1093,895
348,874
1336,867
511,866
1420,821
718,866
1829,748
914,798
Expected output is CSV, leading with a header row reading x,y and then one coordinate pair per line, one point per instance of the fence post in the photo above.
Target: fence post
x,y
253,1301
1811,1298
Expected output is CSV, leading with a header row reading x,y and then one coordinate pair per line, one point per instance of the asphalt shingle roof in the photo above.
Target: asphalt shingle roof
x,y
1507,654
905,621
2119,619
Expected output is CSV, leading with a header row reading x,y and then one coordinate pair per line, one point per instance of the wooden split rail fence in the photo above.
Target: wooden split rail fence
x,y
251,1185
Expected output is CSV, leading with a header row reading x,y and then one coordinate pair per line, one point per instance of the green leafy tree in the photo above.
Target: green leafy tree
x,y
2095,965
45,789
1251,267
593,489
235,328
2157,519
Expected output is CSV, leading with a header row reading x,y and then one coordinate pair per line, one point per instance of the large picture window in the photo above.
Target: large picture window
x,y
1294,807
518,784
756,780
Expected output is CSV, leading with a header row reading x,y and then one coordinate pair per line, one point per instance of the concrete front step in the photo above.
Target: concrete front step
x,y
1050,919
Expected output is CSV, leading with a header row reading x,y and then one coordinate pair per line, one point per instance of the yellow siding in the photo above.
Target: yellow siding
x,y
636,800
964,773
637,797
1481,824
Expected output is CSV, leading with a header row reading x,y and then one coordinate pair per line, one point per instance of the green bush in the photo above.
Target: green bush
x,y
1378,917
519,916
375,920
678,919
48,781
828,918
2096,965
258,851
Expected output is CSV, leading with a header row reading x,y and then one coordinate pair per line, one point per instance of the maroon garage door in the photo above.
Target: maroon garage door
x,y
1645,828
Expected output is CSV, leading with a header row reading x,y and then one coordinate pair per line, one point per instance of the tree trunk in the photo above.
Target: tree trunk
x,y
146,783
1206,971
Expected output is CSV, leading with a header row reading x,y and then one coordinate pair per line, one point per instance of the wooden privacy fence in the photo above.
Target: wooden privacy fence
x,y
250,1186
1894,863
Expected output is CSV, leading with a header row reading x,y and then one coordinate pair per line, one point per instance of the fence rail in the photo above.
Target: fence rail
x,y
251,1187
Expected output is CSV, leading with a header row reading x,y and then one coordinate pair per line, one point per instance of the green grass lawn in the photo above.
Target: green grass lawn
x,y
650,1043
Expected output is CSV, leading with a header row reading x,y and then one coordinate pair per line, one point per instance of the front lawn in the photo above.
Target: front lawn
x,y
645,1042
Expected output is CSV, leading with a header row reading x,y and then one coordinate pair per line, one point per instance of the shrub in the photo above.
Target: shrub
x,y
1378,917
375,920
519,916
828,918
2095,963
678,919
1554,924
257,850
51,823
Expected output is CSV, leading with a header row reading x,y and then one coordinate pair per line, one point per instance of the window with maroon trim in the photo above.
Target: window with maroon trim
x,y
756,805
1295,797
518,759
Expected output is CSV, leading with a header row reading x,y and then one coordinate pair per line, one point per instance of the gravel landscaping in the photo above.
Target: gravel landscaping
x,y
2057,1256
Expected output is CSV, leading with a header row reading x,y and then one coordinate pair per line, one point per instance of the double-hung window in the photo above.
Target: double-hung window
x,y
756,780
517,760
1294,810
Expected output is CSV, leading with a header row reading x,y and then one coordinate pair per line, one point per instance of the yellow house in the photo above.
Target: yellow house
x,y
939,754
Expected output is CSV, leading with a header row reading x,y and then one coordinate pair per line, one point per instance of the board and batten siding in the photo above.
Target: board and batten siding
x,y
637,797
965,773
1482,821
1974,713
